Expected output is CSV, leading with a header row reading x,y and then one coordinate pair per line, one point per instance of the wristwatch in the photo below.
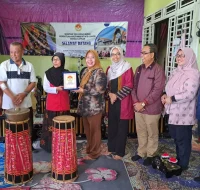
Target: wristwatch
x,y
143,104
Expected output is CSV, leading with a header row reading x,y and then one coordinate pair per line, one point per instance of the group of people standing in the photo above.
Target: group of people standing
x,y
146,93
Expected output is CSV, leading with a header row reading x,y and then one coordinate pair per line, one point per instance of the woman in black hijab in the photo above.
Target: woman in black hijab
x,y
57,102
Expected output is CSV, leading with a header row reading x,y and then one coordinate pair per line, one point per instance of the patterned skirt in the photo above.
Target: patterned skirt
x,y
46,135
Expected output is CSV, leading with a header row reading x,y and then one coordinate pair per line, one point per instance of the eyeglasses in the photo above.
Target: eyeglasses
x,y
115,54
56,59
144,53
180,56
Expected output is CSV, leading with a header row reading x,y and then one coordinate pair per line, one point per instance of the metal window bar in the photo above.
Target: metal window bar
x,y
171,8
158,14
149,18
169,60
184,3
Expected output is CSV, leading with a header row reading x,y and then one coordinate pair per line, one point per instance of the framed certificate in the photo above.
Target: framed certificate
x,y
70,80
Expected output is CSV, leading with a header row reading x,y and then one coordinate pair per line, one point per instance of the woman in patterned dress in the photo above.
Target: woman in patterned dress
x,y
91,103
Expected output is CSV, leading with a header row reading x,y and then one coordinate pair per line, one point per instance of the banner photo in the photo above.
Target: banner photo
x,y
73,39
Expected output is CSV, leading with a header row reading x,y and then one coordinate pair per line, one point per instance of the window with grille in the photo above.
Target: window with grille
x,y
171,8
177,25
158,15
184,3
148,35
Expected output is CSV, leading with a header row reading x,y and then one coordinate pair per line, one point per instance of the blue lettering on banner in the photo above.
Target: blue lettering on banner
x,y
69,43
84,43
75,43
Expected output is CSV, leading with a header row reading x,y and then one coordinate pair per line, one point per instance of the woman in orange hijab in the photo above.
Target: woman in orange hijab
x,y
91,103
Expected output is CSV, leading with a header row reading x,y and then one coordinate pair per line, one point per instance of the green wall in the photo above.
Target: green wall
x,y
151,6
42,63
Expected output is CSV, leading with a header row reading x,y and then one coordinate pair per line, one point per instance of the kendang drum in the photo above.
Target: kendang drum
x,y
18,152
64,155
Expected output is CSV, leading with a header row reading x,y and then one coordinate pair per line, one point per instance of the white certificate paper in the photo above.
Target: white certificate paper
x,y
70,80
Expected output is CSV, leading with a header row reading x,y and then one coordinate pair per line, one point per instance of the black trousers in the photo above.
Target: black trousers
x,y
117,130
31,123
182,135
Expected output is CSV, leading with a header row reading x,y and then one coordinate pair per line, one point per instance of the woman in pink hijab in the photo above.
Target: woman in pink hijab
x,y
180,103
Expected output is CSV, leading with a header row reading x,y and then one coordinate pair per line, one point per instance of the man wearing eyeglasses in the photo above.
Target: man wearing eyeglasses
x,y
149,82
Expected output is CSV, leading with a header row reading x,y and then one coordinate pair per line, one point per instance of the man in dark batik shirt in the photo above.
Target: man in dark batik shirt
x,y
149,83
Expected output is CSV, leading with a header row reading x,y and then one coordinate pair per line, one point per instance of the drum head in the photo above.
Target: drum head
x,y
19,114
64,119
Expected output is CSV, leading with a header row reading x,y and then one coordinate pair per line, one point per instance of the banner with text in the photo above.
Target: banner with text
x,y
73,39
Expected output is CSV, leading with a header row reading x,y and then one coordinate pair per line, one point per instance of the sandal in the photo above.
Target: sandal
x,y
116,157
83,151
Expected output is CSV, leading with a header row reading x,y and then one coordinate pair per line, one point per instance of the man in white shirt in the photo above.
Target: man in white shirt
x,y
17,79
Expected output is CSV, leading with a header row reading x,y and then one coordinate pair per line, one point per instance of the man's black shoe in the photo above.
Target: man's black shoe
x,y
147,161
135,158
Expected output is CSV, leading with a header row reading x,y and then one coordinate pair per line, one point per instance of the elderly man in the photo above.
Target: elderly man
x,y
149,83
17,79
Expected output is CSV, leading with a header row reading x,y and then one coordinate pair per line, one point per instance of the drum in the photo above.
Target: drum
x,y
17,114
18,152
64,154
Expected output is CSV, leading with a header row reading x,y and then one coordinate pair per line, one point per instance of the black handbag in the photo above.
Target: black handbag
x,y
168,168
